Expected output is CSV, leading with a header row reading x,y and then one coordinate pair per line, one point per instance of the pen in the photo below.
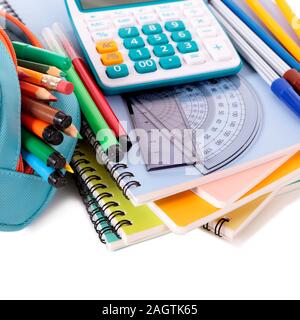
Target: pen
x,y
275,28
279,86
263,34
279,65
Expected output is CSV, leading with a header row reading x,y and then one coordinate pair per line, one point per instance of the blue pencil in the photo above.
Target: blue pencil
x,y
54,177
263,34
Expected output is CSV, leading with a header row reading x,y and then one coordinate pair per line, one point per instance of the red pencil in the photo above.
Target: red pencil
x,y
87,78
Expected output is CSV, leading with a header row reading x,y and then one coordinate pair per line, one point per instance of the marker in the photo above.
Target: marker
x,y
54,177
27,52
42,68
44,112
41,150
279,86
36,92
42,129
104,134
48,82
93,88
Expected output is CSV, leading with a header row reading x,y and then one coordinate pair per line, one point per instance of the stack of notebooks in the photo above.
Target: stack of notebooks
x,y
244,151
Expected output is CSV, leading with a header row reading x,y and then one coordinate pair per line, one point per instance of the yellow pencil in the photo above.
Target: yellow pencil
x,y
289,14
275,28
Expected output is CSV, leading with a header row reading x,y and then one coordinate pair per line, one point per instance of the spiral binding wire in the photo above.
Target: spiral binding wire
x,y
86,192
219,226
5,6
113,168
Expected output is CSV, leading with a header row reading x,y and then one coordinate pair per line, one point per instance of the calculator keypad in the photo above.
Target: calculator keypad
x,y
158,38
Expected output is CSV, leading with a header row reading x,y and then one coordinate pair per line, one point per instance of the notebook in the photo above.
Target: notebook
x,y
268,145
186,211
232,224
131,224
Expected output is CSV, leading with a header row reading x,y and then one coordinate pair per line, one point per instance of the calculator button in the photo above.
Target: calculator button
x,y
102,35
143,10
195,58
158,39
106,46
187,47
109,59
169,15
181,36
194,12
139,54
154,28
134,43
91,17
119,13
124,22
209,32
173,26
99,25
218,49
145,66
201,22
164,51
117,71
147,18
188,4
129,32
170,63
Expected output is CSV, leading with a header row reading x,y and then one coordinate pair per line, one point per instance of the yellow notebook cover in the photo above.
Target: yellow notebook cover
x,y
133,224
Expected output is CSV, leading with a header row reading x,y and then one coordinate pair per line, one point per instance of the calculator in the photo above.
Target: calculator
x,y
143,44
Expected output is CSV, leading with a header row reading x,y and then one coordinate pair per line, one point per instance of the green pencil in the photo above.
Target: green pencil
x,y
27,52
101,129
42,68
41,150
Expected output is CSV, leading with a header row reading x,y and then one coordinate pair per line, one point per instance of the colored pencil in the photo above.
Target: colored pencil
x,y
36,92
48,82
42,129
73,132
42,68
44,112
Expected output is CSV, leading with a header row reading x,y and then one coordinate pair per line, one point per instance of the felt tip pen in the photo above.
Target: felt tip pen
x,y
54,177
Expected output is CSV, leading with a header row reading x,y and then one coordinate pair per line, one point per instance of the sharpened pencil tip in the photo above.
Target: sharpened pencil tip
x,y
69,168
79,136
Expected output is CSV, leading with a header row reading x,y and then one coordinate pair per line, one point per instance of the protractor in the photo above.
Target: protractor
x,y
226,112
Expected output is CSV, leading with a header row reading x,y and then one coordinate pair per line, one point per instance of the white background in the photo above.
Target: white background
x,y
60,257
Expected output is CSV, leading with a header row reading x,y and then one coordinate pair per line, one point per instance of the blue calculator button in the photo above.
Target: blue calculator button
x,y
170,63
181,36
154,28
158,39
139,54
164,50
117,71
145,66
188,47
173,26
134,43
129,32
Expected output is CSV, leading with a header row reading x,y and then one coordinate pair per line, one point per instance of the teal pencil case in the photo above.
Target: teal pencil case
x,y
23,197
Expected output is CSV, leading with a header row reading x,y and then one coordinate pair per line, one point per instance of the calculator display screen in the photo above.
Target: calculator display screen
x,y
98,4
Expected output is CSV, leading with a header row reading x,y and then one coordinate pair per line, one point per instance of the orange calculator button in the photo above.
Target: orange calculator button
x,y
106,46
110,59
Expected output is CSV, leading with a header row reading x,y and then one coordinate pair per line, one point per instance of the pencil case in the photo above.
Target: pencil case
x,y
23,197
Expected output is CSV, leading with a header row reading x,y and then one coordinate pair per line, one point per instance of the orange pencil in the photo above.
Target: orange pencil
x,y
48,82
33,91
42,129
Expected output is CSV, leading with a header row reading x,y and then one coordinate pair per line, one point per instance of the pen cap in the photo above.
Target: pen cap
x,y
293,77
286,93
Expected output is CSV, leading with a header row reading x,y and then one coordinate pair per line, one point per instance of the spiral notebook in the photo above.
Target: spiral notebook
x,y
232,224
131,224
